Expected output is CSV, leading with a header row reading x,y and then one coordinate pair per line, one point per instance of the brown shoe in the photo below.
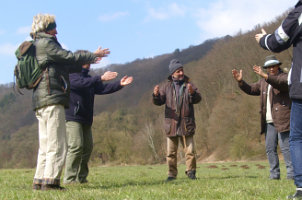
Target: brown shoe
x,y
52,187
37,186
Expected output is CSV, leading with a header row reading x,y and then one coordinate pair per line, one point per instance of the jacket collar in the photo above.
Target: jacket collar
x,y
85,71
44,35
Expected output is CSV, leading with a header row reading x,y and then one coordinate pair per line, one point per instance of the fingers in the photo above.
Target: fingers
x,y
237,75
108,75
156,90
263,31
126,80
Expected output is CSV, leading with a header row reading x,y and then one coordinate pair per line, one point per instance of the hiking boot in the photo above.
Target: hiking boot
x,y
170,178
52,187
297,195
37,186
191,174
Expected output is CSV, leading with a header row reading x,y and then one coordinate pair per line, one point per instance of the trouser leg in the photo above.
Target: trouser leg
x,y
189,152
74,151
172,145
87,150
284,146
39,175
295,140
271,143
56,145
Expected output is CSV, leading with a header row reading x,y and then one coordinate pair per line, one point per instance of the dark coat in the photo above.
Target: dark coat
x,y
279,99
83,87
288,34
58,62
185,119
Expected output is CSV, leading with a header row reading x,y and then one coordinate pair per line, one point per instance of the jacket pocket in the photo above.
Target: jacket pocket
x,y
167,125
189,126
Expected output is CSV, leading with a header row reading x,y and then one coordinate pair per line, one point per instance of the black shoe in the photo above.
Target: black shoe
x,y
170,178
297,195
52,187
191,174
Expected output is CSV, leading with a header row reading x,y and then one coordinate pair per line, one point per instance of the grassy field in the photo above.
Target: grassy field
x,y
230,180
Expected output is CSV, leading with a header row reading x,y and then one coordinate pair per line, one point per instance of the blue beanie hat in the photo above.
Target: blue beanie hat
x,y
174,65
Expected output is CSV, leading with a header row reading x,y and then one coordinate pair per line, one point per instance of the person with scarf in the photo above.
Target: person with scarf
x,y
178,94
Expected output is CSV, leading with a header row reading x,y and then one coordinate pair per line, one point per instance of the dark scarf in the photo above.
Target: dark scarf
x,y
178,89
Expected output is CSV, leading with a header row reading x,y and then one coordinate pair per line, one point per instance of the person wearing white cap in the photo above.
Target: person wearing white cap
x,y
275,111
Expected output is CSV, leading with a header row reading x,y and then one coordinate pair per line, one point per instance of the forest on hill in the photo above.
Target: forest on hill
x,y
128,128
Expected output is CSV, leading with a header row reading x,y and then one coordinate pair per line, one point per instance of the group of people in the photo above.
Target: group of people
x,y
64,98
63,102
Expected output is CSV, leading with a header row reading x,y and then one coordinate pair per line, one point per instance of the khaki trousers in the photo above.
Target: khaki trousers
x,y
80,145
189,148
52,144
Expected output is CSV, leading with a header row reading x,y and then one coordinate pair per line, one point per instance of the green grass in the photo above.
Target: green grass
x,y
230,180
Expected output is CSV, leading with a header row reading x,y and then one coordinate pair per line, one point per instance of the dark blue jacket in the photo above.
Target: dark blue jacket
x,y
83,87
288,34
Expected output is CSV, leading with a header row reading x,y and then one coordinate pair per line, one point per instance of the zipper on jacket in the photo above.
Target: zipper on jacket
x,y
47,80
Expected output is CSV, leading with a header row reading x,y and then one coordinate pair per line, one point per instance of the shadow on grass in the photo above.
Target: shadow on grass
x,y
121,185
178,181
229,177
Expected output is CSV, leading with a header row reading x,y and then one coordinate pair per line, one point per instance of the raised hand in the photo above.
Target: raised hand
x,y
126,80
156,90
190,88
102,52
260,35
237,75
107,76
258,70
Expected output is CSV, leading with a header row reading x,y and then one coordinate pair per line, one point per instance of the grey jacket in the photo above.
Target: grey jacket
x,y
57,64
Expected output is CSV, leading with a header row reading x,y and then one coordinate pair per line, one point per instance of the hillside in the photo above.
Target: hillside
x,y
128,128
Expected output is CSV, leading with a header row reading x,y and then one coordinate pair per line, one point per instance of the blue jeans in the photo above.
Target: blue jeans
x,y
271,143
295,140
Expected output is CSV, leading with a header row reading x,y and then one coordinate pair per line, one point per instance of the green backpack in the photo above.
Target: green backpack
x,y
27,71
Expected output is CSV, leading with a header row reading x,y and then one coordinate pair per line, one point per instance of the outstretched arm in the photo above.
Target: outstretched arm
x,y
251,89
284,36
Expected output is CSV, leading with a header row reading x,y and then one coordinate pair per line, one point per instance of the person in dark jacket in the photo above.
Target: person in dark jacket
x,y
178,94
50,97
275,111
289,34
79,118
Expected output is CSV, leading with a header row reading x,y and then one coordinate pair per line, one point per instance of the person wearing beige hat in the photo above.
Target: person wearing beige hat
x,y
275,111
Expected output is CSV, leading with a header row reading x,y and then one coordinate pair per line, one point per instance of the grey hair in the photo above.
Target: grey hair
x,y
41,22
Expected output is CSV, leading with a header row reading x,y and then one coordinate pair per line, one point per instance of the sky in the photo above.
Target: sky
x,y
131,29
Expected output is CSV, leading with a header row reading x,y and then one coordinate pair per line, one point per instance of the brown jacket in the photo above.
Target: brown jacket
x,y
185,117
279,99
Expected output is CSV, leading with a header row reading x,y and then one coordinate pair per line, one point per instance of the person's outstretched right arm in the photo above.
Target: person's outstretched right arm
x,y
250,89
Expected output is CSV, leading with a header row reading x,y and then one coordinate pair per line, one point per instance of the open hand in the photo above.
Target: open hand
x,y
260,35
107,76
102,52
237,75
126,80
258,70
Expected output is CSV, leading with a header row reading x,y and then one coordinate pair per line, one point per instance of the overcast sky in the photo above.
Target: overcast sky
x,y
131,28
